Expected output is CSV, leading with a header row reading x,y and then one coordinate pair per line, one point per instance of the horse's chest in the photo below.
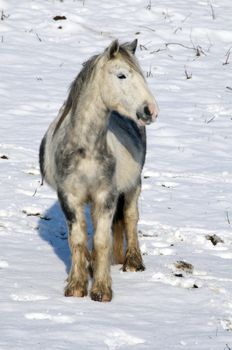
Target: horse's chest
x,y
92,171
88,169
128,164
127,172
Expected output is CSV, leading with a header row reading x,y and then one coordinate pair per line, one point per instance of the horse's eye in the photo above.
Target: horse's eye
x,y
121,76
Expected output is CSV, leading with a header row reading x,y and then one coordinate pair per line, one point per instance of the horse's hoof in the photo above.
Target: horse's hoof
x,y
131,268
79,292
101,296
133,262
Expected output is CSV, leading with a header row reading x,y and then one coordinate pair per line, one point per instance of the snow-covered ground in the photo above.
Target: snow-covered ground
x,y
187,184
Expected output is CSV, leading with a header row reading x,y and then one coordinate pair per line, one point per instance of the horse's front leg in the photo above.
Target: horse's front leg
x,y
103,212
78,277
133,259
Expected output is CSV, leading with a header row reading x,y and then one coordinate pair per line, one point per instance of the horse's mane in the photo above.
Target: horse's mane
x,y
76,87
84,77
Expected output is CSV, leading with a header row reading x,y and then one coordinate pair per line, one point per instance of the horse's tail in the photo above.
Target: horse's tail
x,y
118,231
42,158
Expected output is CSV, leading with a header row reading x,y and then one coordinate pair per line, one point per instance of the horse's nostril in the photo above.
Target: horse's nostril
x,y
147,111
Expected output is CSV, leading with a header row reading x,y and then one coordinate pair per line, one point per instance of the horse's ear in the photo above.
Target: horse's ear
x,y
113,49
131,46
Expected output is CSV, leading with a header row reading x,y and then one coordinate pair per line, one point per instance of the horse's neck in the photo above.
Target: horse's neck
x,y
90,122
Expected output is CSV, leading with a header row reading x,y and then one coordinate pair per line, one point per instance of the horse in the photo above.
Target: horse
x,y
93,153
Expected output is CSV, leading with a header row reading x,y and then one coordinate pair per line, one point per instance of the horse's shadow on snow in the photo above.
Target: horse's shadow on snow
x,y
53,229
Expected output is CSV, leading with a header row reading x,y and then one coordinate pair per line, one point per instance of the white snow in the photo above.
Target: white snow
x,y
187,179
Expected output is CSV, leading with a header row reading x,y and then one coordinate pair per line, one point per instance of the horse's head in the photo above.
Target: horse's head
x,y
123,87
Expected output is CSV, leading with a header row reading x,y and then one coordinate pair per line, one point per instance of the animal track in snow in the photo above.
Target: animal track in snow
x,y
120,338
176,281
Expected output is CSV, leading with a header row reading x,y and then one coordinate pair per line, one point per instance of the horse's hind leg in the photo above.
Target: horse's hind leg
x,y
103,210
118,237
133,259
78,276
118,231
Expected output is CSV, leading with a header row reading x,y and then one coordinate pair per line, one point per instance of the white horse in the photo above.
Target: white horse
x,y
94,153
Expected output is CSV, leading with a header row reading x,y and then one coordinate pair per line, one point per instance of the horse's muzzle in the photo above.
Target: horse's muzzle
x,y
147,114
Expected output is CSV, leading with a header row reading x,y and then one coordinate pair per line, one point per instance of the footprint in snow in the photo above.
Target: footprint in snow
x,y
120,338
182,276
177,280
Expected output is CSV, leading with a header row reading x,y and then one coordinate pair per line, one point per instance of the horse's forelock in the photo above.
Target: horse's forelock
x,y
130,59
